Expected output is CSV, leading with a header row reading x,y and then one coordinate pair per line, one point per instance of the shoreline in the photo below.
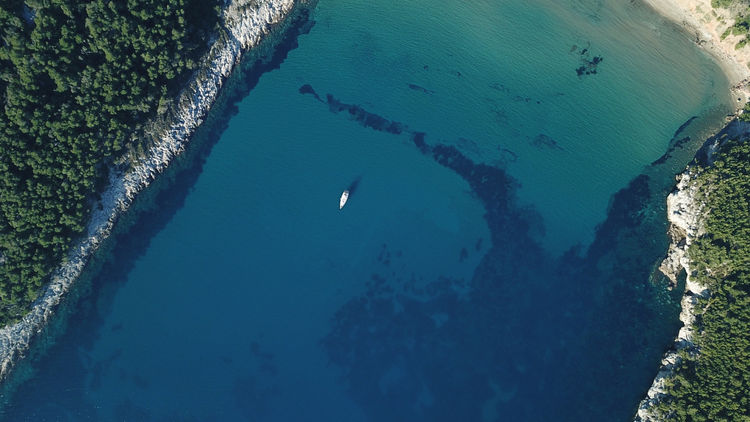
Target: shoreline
x,y
706,24
684,210
243,26
684,213
686,207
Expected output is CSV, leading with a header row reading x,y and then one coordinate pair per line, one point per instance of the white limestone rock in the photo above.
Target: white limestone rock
x,y
685,211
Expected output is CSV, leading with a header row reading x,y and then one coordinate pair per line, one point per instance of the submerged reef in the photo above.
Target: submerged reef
x,y
545,141
420,89
452,349
675,143
589,65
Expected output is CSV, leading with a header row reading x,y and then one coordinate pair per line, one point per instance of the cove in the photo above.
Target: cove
x,y
494,263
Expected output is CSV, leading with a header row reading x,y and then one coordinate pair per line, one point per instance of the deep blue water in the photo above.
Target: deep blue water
x,y
495,260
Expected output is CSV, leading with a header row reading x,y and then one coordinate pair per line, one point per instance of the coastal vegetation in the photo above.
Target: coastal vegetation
x,y
78,80
741,26
714,384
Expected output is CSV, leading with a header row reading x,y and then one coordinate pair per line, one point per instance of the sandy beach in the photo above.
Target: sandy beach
x,y
706,25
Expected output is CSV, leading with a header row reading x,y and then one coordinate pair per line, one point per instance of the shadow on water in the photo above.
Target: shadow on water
x,y
82,312
355,184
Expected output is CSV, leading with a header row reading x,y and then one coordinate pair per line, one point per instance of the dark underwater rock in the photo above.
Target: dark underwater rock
x,y
545,141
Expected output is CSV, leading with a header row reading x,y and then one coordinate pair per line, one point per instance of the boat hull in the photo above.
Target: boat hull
x,y
344,198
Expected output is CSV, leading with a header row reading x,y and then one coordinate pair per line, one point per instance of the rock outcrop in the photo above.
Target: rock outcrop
x,y
685,209
245,22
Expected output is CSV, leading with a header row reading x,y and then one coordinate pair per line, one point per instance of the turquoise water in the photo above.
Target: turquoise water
x,y
443,290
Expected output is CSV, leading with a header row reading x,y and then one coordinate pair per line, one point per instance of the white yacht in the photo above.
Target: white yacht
x,y
344,198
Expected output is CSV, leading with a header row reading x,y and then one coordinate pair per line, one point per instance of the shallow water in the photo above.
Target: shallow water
x,y
441,291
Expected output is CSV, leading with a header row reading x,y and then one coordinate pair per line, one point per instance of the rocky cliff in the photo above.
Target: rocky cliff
x,y
685,208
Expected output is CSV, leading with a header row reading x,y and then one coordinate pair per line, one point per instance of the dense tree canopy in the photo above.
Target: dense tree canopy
x,y
77,79
715,385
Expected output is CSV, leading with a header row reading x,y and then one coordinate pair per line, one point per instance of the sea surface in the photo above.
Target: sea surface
x,y
508,162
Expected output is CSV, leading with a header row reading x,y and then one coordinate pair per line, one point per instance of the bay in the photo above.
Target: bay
x,y
509,161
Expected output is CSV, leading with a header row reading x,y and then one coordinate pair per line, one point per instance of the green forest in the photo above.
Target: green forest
x,y
77,81
715,384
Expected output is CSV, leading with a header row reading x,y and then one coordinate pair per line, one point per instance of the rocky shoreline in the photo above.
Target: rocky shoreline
x,y
244,24
686,211
686,205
